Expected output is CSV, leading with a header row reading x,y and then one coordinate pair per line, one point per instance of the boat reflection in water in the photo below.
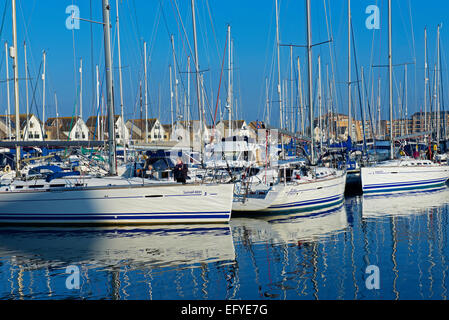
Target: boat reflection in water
x,y
289,257
403,204
109,258
291,228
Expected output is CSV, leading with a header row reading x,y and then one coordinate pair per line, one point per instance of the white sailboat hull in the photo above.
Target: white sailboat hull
x,y
400,178
305,198
133,204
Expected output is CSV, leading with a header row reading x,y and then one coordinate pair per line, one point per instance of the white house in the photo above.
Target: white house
x,y
66,128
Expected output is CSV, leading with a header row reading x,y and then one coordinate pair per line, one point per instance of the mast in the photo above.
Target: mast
x,y
437,76
349,73
390,81
279,67
309,60
43,97
425,79
15,67
110,97
188,89
301,103
200,107
121,84
405,100
291,90
57,117
81,88
320,103
378,108
98,103
171,97
7,91
146,90
175,78
26,90
229,98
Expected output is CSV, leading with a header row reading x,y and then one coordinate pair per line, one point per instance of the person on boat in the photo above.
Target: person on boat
x,y
150,172
180,171
416,153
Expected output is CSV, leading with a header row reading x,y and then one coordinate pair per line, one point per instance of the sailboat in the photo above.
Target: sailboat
x,y
111,199
401,175
297,188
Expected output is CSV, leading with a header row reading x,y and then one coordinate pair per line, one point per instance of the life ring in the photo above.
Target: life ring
x,y
7,168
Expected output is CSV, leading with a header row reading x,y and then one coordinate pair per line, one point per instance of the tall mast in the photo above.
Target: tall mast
x,y
81,88
405,100
279,67
437,75
15,67
309,62
57,117
110,97
146,90
121,84
349,73
98,103
390,81
171,97
229,98
301,103
7,91
188,89
26,90
291,90
175,77
378,108
320,100
198,94
425,79
44,55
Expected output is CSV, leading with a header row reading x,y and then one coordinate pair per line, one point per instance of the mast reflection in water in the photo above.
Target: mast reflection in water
x,y
323,256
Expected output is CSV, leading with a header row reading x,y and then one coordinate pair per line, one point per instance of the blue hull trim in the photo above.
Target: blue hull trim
x,y
306,203
412,183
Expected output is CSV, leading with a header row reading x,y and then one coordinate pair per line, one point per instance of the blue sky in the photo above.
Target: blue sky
x,y
42,25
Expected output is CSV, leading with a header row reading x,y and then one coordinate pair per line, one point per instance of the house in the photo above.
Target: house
x,y
189,132
66,128
138,127
235,127
34,127
98,129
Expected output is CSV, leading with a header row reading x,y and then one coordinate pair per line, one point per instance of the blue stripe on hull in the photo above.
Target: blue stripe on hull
x,y
411,183
113,218
306,203
418,186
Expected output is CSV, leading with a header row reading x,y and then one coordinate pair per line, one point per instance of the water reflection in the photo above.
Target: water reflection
x,y
404,204
323,256
111,256
288,256
406,238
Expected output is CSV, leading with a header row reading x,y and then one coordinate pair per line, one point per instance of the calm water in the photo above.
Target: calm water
x,y
280,257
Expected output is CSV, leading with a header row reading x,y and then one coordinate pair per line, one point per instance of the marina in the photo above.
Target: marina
x,y
177,165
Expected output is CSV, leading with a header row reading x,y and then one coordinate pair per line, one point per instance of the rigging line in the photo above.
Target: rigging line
x,y
219,84
154,30
213,29
175,6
